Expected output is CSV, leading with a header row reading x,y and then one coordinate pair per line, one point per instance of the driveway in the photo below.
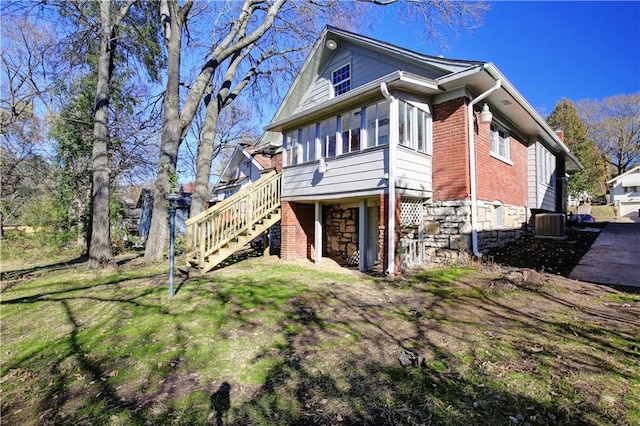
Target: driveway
x,y
614,257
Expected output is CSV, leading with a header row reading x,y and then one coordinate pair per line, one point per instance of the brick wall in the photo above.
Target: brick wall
x,y
450,150
297,231
496,179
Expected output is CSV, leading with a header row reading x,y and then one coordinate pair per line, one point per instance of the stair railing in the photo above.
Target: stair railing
x,y
217,226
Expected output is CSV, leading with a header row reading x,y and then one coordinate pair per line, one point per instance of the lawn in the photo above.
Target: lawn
x,y
268,342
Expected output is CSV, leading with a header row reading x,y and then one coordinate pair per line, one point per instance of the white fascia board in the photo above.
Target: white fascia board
x,y
549,135
628,172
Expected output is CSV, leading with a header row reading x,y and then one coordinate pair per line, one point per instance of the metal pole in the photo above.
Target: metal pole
x,y
172,237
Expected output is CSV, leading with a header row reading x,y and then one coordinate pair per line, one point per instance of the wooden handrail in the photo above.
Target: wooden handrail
x,y
217,226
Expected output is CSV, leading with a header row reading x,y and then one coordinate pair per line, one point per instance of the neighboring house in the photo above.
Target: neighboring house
x,y
391,158
143,208
625,193
244,166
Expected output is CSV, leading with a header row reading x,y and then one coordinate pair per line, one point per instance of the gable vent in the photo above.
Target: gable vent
x,y
549,224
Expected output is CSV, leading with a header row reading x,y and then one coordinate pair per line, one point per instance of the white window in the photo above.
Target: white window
x,y
498,214
292,148
414,127
308,144
341,80
328,137
350,131
548,168
500,142
377,118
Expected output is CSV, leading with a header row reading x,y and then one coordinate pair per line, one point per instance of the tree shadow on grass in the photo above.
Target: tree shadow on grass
x,y
18,274
316,378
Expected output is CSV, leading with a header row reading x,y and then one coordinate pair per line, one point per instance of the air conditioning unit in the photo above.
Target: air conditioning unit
x,y
549,224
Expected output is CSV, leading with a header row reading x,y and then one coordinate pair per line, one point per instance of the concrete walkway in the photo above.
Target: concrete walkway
x,y
614,257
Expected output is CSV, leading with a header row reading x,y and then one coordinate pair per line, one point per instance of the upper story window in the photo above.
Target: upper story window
x,y
350,126
341,80
353,131
377,118
500,142
414,127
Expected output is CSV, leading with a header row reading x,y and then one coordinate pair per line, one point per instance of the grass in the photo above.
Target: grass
x,y
267,342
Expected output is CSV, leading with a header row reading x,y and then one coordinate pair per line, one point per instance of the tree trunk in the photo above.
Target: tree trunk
x,y
100,251
169,144
204,158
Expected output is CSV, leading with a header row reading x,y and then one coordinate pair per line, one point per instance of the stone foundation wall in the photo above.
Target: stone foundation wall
x,y
446,229
341,233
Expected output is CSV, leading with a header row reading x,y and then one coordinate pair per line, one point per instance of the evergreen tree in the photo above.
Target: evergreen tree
x,y
590,179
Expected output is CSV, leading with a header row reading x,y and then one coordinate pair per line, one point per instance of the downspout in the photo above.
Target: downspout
x,y
472,168
391,182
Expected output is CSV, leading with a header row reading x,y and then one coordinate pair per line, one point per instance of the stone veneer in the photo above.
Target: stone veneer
x,y
342,233
447,229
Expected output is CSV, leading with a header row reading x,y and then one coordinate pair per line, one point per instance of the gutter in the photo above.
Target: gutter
x,y
472,167
497,75
391,182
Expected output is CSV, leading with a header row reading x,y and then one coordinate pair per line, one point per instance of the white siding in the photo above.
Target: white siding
x,y
542,195
413,173
348,175
359,174
532,177
364,68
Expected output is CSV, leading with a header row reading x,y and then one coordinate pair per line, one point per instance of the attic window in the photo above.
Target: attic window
x,y
341,80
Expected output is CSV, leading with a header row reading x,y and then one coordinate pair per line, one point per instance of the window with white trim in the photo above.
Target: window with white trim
x,y
328,137
414,127
547,168
500,142
341,80
292,148
377,116
351,123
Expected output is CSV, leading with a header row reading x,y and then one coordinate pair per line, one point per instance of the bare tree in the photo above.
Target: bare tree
x,y
29,60
614,124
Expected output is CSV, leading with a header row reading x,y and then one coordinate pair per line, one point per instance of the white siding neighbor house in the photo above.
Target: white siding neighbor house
x,y
625,193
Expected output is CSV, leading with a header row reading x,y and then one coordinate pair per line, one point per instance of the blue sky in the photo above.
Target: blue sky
x,y
547,50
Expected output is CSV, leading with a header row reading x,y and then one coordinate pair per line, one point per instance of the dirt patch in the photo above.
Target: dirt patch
x,y
544,254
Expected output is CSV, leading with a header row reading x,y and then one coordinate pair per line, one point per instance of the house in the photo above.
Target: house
x,y
244,167
625,193
395,158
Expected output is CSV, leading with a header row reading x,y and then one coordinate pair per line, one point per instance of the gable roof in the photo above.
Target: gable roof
x,y
429,75
240,154
625,174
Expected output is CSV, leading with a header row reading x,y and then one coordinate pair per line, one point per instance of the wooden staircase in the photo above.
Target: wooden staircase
x,y
225,228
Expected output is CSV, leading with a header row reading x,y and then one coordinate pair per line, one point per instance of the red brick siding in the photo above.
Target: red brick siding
x,y
276,162
450,150
297,231
383,239
496,179
383,219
